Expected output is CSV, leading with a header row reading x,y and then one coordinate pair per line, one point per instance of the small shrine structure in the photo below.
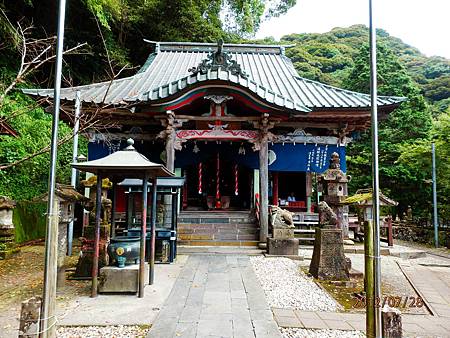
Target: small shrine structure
x,y
126,163
362,199
236,121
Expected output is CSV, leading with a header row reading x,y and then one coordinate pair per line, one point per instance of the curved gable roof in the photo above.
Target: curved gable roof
x,y
270,75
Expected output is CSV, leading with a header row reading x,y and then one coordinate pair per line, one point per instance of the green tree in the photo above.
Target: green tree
x,y
417,157
405,125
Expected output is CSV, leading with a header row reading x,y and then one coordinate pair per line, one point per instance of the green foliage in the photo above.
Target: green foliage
x,y
417,157
29,221
341,58
329,57
33,125
404,126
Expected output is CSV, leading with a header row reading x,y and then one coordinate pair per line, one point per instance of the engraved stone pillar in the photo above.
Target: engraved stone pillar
x,y
30,317
328,261
391,322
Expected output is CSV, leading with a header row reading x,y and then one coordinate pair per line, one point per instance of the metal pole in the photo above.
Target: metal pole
x,y
73,178
98,210
153,234
375,174
368,278
435,211
51,245
143,237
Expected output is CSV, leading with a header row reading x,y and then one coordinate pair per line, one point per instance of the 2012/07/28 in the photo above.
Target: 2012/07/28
x,y
392,301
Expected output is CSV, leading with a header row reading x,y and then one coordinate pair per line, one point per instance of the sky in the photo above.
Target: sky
x,y
419,23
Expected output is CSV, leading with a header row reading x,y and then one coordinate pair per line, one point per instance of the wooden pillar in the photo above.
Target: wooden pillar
x,y
390,235
98,210
170,163
308,185
170,151
113,209
184,203
264,189
153,235
143,237
275,189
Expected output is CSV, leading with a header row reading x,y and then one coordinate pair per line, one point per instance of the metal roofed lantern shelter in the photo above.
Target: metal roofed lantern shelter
x,y
166,231
126,163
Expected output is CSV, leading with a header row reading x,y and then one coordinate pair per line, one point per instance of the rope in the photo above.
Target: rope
x,y
200,174
218,204
236,180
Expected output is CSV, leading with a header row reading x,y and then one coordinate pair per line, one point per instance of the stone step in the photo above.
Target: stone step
x,y
218,236
238,243
198,220
245,231
308,239
216,226
304,231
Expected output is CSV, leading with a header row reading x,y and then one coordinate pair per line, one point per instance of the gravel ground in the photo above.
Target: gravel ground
x,y
306,333
286,286
101,331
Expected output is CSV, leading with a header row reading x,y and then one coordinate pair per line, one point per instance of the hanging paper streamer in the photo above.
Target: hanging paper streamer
x,y
236,180
200,174
218,204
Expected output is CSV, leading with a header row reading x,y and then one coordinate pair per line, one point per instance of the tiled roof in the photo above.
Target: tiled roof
x,y
270,75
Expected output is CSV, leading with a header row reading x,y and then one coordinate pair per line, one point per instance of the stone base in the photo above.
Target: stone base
x,y
282,246
84,264
355,274
328,261
294,258
282,233
118,280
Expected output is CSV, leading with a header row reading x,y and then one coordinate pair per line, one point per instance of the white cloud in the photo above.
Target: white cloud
x,y
422,24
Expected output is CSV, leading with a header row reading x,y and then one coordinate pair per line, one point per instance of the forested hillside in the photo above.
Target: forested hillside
x,y
341,58
113,31
330,57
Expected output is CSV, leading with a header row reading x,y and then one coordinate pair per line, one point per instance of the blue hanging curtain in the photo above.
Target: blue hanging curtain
x,y
288,157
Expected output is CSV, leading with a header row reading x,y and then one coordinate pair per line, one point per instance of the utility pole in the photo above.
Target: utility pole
x,y
435,211
374,283
48,321
73,178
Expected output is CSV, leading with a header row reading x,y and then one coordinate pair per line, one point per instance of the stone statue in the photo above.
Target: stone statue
x,y
326,215
409,215
281,218
335,162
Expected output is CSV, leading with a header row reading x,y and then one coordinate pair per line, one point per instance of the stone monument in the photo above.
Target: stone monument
x,y
328,261
7,231
282,242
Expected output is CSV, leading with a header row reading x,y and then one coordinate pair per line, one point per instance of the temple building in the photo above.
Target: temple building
x,y
236,120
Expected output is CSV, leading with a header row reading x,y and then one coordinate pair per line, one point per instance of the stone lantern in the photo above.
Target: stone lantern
x,y
334,190
7,230
65,196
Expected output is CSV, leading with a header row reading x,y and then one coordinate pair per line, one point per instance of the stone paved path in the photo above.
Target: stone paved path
x,y
216,296
413,325
432,284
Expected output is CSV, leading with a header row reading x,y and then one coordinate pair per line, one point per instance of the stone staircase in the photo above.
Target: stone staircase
x,y
305,227
217,228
